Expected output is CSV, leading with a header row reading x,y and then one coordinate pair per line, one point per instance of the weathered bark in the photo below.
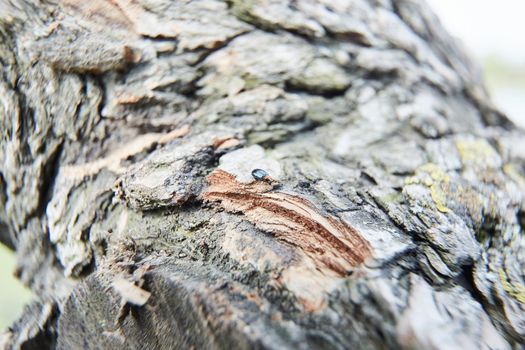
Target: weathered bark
x,y
392,216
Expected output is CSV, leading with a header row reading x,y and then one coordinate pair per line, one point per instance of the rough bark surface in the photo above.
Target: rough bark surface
x,y
392,216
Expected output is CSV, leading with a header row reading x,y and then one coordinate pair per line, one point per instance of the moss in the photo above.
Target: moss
x,y
515,290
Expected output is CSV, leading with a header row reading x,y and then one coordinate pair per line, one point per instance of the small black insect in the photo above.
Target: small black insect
x,y
260,175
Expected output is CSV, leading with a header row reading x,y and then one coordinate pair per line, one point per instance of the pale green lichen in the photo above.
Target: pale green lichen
x,y
439,198
433,177
515,290
511,171
392,197
477,151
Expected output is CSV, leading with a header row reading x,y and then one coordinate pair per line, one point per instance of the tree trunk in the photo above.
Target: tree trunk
x,y
387,211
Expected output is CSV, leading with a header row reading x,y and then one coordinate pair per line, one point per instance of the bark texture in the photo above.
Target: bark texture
x,y
392,216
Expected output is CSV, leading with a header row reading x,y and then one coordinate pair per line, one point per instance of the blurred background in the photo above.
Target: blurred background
x,y
13,295
492,31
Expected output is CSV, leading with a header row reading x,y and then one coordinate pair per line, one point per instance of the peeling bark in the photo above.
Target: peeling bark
x,y
129,131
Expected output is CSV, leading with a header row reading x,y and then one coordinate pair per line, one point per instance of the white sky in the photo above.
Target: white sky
x,y
487,27
496,29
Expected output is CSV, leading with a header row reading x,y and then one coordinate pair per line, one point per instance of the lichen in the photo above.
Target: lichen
x,y
433,177
510,170
477,151
439,198
515,290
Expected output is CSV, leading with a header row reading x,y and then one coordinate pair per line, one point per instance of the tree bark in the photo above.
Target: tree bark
x,y
388,212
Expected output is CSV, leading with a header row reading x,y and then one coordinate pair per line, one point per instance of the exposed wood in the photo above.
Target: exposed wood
x,y
294,220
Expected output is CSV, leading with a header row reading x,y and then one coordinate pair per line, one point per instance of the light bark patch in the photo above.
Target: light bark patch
x,y
112,161
130,293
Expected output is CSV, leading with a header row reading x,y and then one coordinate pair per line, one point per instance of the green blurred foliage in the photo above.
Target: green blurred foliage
x,y
13,295
506,85
499,73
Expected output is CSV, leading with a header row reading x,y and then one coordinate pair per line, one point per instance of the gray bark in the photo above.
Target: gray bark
x,y
392,216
